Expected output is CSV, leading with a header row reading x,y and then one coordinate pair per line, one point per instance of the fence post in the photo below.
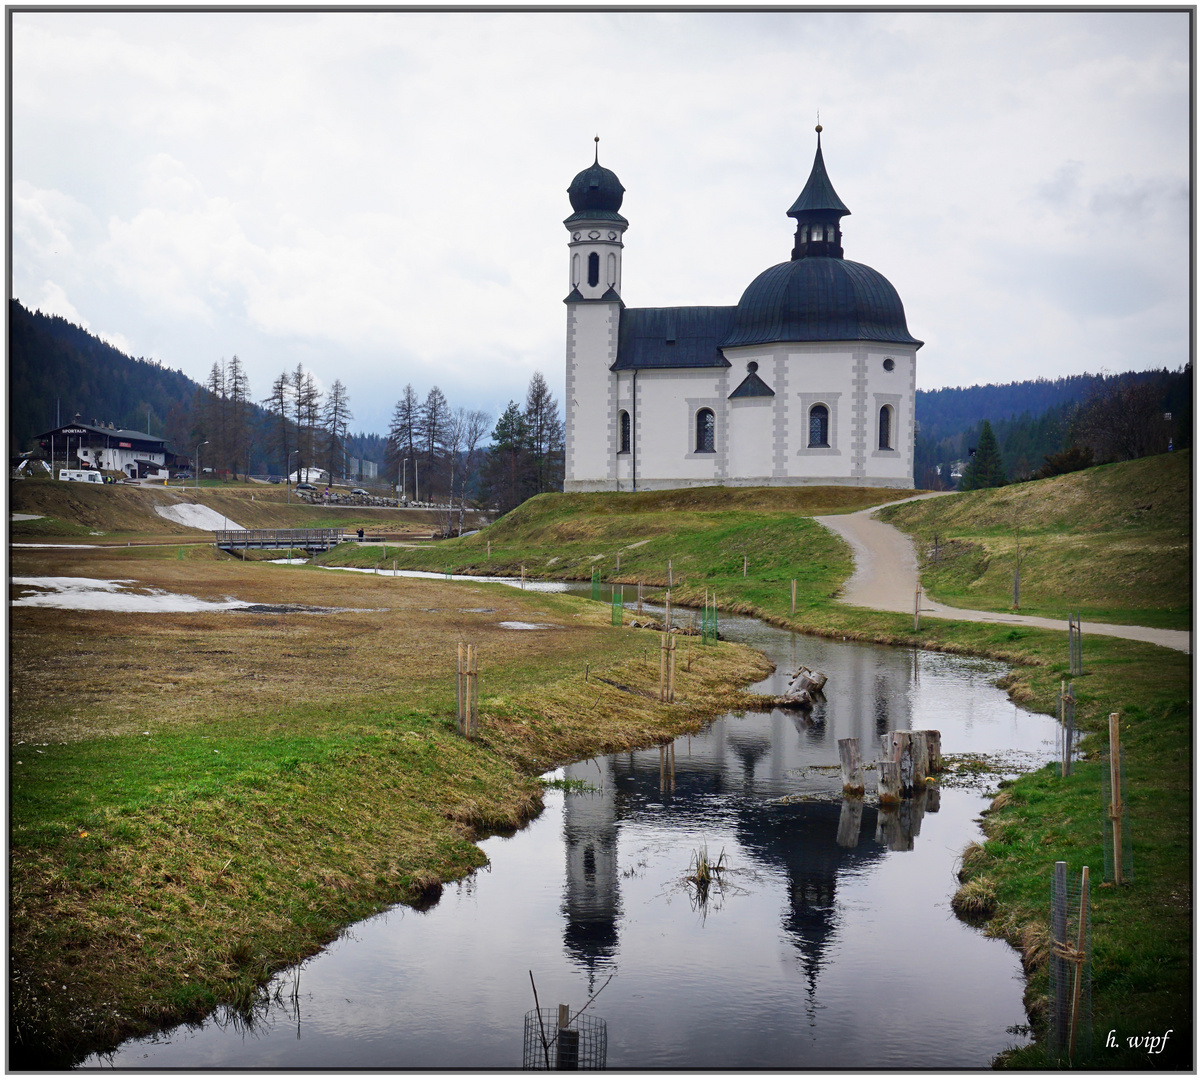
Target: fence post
x,y
793,598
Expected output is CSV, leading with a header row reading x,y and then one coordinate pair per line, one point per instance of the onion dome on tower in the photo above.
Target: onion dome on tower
x,y
818,295
596,194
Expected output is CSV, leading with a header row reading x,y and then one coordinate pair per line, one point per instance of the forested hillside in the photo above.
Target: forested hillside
x,y
1032,420
57,369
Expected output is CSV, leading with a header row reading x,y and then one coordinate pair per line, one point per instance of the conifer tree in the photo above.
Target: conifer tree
x,y
985,469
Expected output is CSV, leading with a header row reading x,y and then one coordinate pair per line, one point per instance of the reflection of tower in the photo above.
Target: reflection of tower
x,y
591,897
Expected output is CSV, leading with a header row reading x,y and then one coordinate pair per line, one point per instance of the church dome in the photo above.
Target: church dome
x,y
819,299
596,188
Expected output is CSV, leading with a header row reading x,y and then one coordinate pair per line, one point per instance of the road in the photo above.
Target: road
x,y
886,576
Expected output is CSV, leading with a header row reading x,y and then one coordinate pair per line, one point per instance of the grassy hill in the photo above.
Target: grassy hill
x,y
1112,541
128,512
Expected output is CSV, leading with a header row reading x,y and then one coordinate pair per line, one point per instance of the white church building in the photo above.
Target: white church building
x,y
809,379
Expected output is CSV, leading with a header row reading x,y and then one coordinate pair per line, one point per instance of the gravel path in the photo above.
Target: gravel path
x,y
886,576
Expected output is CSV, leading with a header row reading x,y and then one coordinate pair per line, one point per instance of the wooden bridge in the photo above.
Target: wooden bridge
x,y
310,540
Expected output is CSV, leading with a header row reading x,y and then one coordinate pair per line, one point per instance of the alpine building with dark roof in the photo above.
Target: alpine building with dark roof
x,y
809,379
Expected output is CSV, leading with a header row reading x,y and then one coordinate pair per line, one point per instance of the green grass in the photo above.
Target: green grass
x,y
1112,542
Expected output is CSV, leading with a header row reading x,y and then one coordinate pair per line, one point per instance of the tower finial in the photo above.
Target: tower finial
x,y
596,148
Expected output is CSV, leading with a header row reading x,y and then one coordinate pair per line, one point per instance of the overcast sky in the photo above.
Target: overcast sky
x,y
379,196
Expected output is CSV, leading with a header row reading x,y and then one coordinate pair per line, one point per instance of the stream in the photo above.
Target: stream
x,y
826,940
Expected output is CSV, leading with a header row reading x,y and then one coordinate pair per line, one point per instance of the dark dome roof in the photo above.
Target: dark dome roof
x,y
819,299
596,189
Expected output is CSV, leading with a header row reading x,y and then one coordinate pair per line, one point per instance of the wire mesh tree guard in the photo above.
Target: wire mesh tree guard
x,y
1075,664
616,604
1070,997
581,1044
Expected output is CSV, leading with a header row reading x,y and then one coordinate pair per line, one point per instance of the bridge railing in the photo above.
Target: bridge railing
x,y
277,537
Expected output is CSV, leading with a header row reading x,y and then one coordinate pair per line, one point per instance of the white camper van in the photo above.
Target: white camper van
x,y
86,476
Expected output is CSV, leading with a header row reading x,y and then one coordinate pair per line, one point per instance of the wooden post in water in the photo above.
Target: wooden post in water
x,y
793,598
918,743
934,751
1116,799
849,767
889,784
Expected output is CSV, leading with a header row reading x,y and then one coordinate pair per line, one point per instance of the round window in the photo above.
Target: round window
x,y
888,363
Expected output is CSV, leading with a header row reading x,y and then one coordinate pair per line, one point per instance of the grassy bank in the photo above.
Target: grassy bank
x,y
199,799
1113,541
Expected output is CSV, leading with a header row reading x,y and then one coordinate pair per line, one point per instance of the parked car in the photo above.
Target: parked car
x,y
358,491
275,479
302,486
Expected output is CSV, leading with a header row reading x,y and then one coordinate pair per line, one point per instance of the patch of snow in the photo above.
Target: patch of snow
x,y
288,562
57,545
531,586
525,626
26,517
95,594
196,516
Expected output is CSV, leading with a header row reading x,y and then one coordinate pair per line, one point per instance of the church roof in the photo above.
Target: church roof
x,y
596,193
819,299
819,192
672,337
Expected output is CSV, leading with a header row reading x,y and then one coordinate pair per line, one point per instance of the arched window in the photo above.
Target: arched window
x,y
594,268
820,421
623,432
885,441
611,267
575,269
705,431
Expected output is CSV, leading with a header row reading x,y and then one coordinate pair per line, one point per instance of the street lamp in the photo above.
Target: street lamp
x,y
288,473
198,446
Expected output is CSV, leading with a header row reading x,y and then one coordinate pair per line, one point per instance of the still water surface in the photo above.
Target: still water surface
x,y
832,944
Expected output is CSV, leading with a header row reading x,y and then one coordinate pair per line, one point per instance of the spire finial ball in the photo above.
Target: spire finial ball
x,y
818,129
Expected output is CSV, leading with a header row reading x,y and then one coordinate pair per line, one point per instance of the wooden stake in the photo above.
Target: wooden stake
x,y
744,565
793,598
490,551
1079,961
668,610
523,575
669,573
917,604
671,669
618,565
640,607
1116,799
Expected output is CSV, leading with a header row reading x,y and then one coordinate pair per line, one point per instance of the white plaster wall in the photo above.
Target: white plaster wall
x,y
666,424
588,408
750,438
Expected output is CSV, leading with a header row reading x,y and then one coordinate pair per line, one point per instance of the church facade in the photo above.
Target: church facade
x,y
809,379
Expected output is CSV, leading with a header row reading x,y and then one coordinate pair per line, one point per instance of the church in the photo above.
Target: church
x,y
809,379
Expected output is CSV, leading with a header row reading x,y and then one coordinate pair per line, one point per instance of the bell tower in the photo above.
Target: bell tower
x,y
594,309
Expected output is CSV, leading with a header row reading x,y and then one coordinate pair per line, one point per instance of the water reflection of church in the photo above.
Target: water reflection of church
x,y
747,766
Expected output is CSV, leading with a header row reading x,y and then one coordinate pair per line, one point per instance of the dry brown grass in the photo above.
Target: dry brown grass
x,y
302,770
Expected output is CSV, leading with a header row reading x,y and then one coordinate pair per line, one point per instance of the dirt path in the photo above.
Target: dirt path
x,y
886,576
